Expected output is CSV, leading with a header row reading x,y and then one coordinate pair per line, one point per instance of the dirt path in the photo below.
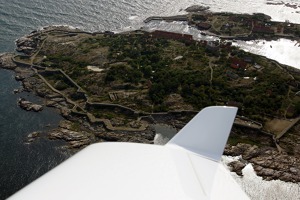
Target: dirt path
x,y
295,121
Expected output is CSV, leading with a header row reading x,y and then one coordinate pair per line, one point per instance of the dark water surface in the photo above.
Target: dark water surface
x,y
20,162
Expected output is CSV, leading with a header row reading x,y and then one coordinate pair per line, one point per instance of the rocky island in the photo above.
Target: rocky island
x,y
114,87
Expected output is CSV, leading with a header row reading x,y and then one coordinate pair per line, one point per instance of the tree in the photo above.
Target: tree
x,y
157,93
297,107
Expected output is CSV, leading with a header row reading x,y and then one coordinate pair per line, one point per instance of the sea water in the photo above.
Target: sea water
x,y
22,162
20,17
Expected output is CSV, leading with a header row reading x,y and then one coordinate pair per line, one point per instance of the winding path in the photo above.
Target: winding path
x,y
107,123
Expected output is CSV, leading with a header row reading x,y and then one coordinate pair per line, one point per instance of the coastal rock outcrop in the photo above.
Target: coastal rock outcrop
x,y
267,162
27,44
75,139
19,90
196,8
6,61
19,77
32,83
237,167
29,106
33,136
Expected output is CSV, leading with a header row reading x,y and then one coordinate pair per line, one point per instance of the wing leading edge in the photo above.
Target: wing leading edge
x,y
178,170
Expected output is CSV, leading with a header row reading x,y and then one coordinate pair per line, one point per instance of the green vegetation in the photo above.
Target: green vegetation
x,y
142,71
123,73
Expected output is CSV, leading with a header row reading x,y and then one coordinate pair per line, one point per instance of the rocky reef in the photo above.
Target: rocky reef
x,y
33,136
29,106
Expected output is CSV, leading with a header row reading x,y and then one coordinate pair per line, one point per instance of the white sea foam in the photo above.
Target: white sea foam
x,y
259,189
133,17
56,25
283,50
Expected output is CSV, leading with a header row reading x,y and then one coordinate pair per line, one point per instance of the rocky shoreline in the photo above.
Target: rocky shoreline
x,y
75,131
267,162
78,132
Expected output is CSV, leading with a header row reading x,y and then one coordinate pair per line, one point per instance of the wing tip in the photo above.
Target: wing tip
x,y
207,133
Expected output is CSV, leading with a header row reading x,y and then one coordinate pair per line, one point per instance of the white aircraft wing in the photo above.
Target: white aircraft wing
x,y
185,168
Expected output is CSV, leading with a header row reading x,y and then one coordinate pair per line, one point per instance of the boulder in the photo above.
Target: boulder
x,y
65,112
32,136
36,107
19,78
16,91
42,91
65,124
266,172
58,100
237,167
251,152
294,170
50,103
